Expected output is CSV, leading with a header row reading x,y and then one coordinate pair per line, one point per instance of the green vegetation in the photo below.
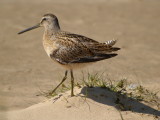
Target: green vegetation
x,y
123,87
120,87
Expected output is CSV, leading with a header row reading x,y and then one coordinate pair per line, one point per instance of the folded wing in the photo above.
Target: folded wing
x,y
80,49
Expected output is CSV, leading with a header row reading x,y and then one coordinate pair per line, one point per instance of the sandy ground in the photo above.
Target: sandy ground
x,y
98,105
25,69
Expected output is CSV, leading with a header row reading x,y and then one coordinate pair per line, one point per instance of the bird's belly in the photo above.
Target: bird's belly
x,y
75,65
50,50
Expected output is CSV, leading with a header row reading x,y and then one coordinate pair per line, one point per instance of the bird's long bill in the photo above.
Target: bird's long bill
x,y
28,29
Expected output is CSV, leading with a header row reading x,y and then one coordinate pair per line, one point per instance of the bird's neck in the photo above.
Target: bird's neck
x,y
52,29
49,33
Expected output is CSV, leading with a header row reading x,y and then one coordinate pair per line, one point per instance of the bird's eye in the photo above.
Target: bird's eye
x,y
44,19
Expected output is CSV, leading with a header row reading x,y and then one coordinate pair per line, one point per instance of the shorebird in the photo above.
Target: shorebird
x,y
71,50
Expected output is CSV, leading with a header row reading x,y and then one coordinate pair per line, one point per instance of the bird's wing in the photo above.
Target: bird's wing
x,y
88,41
93,45
75,48
69,50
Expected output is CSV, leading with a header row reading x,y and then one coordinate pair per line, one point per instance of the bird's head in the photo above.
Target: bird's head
x,y
48,21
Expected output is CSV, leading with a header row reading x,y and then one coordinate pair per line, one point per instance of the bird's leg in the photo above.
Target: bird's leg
x,y
72,83
64,78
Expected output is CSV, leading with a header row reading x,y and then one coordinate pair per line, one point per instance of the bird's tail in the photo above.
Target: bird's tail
x,y
110,43
106,47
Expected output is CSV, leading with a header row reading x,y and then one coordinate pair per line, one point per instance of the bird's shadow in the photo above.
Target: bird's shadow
x,y
118,100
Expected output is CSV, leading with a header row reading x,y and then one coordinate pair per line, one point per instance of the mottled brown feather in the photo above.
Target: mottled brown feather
x,y
75,48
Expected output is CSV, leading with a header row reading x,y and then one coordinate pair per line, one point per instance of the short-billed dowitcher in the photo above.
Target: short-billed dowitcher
x,y
71,50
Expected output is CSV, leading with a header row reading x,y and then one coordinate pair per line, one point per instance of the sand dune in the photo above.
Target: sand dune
x,y
98,105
